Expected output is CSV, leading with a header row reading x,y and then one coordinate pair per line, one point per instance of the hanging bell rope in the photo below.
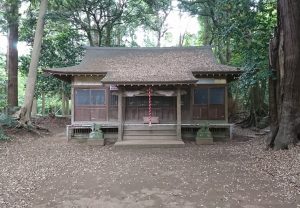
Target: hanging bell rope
x,y
150,106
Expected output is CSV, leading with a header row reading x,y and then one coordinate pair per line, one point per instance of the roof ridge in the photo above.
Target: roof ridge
x,y
148,48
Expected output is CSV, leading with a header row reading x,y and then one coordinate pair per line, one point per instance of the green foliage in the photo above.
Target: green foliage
x,y
3,136
8,121
154,19
149,41
21,88
95,18
168,37
155,13
53,103
61,47
239,31
8,13
190,40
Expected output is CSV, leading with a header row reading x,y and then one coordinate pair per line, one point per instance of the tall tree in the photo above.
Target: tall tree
x,y
96,18
156,16
25,111
239,31
61,47
285,60
2,83
12,19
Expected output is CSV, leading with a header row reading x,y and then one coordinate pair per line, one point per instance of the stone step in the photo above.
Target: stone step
x,y
149,137
149,132
153,143
147,127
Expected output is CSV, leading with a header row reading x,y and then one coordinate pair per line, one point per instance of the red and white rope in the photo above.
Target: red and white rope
x,y
150,106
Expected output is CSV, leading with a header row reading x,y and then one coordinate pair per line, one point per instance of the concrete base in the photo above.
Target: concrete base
x,y
95,142
150,143
204,141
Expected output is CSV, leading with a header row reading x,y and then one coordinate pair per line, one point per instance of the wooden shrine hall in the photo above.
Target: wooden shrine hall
x,y
147,95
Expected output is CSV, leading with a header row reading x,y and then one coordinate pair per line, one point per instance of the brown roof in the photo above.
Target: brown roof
x,y
146,65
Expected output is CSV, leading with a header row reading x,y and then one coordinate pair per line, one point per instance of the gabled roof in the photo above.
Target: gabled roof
x,y
146,65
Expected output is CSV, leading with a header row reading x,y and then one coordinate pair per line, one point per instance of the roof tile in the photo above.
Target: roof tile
x,y
136,65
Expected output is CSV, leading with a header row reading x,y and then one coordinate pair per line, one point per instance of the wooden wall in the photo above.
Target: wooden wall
x,y
108,110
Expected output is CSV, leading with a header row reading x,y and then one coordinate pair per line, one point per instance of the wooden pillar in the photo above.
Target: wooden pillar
x,y
72,104
120,115
63,102
178,129
191,103
226,103
107,99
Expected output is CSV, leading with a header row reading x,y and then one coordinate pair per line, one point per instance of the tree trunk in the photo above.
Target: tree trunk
x,y
24,113
90,38
228,51
67,106
206,31
119,37
288,75
273,90
34,108
220,54
108,35
12,54
158,39
180,40
98,38
43,103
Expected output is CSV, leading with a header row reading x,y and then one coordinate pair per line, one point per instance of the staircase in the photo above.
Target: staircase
x,y
157,135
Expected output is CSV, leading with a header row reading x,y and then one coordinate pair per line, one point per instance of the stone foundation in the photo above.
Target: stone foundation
x,y
201,141
95,142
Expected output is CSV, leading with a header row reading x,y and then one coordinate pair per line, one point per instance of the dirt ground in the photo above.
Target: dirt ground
x,y
51,172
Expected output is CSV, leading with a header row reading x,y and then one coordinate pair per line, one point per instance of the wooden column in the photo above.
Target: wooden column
x,y
178,129
226,103
63,102
191,103
120,115
72,104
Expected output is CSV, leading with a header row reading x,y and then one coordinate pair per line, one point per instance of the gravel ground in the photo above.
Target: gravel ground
x,y
50,172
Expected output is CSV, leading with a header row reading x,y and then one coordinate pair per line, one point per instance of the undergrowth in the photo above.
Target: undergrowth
x,y
3,136
6,121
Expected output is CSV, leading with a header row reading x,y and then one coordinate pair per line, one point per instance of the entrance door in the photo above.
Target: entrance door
x,y
162,107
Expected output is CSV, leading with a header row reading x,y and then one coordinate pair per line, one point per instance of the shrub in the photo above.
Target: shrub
x,y
6,120
3,136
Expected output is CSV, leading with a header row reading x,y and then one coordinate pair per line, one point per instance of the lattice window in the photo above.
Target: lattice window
x,y
209,103
89,97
